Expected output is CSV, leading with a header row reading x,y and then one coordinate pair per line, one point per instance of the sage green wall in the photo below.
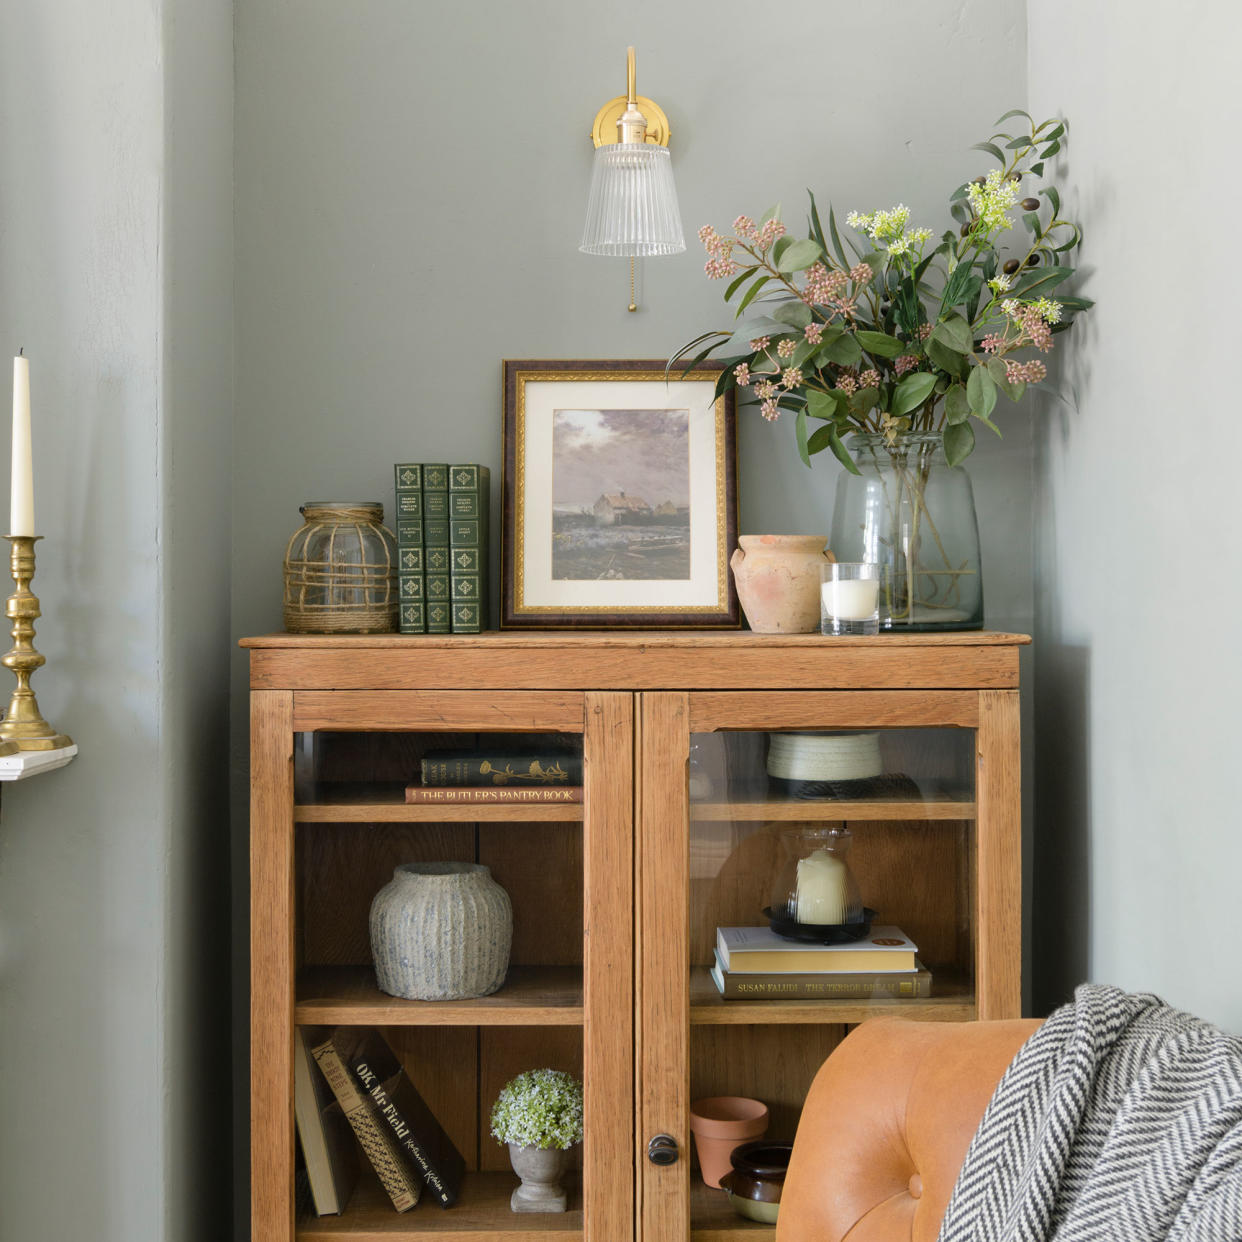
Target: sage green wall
x,y
411,184
115,274
1139,675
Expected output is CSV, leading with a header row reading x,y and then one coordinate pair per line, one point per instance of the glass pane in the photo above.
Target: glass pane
x,y
368,804
786,827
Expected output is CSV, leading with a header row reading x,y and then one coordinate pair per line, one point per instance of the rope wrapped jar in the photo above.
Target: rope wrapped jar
x,y
341,570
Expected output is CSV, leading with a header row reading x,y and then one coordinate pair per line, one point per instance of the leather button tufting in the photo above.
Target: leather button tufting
x,y
916,1186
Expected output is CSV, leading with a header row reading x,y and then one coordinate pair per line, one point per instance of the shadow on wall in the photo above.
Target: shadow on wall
x,y
1060,923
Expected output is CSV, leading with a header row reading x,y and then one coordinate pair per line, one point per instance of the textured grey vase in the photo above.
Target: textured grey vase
x,y
541,1170
441,931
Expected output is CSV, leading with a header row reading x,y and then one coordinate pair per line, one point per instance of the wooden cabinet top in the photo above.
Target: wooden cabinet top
x,y
676,660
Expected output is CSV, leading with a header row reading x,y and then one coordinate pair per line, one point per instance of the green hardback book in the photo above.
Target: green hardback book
x,y
469,504
436,547
411,577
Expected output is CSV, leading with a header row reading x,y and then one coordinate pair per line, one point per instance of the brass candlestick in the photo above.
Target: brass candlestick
x,y
23,726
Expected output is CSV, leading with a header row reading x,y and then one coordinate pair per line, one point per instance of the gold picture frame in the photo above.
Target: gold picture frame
x,y
573,430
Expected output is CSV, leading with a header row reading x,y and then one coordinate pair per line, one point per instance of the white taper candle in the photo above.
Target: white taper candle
x,y
21,502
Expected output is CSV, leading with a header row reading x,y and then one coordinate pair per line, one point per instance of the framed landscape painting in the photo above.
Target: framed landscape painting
x,y
619,496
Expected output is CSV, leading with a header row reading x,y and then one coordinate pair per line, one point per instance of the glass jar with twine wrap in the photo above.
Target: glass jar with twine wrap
x,y
341,570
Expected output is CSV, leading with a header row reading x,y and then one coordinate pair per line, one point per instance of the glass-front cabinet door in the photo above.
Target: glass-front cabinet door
x,y
807,861
348,787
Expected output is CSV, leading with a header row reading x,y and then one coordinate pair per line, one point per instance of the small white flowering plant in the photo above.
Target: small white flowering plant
x,y
540,1108
890,330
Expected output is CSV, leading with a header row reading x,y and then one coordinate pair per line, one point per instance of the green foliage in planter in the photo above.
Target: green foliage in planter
x,y
541,1108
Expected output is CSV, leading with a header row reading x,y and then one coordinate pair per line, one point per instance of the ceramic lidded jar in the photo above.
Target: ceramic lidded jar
x,y
441,931
778,581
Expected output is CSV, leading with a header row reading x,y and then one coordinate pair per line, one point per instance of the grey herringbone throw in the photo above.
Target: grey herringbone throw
x,y
1119,1119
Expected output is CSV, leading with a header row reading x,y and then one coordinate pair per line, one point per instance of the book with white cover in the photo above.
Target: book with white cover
x,y
753,950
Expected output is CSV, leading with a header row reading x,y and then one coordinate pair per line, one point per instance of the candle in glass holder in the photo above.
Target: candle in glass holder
x,y
820,894
850,598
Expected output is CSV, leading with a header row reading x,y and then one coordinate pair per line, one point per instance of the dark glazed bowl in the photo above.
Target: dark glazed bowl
x,y
758,1178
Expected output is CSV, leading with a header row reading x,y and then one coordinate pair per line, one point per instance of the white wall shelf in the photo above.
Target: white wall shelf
x,y
31,762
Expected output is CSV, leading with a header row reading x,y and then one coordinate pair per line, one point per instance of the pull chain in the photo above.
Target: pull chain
x,y
633,303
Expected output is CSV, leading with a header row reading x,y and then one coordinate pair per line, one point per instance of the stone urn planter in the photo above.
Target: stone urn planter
x,y
441,931
541,1170
778,582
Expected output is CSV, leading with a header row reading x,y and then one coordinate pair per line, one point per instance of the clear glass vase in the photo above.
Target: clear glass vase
x,y
913,514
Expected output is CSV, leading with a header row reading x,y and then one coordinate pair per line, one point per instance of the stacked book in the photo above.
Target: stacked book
x,y
754,963
352,1094
476,776
442,547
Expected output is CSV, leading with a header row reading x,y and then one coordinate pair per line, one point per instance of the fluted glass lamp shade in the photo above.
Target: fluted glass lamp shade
x,y
632,211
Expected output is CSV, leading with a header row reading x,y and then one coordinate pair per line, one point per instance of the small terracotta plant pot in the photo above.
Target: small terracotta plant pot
x,y
720,1124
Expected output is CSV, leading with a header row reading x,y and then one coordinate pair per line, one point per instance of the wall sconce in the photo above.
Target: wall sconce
x,y
632,211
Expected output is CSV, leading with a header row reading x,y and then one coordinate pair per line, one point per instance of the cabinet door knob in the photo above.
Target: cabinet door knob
x,y
663,1149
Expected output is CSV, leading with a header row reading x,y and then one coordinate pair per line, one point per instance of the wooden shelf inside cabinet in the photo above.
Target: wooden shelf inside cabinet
x,y
712,1218
531,996
904,809
363,803
482,1214
952,1000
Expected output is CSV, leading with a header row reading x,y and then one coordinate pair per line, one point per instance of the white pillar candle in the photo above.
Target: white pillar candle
x,y
851,599
820,894
21,504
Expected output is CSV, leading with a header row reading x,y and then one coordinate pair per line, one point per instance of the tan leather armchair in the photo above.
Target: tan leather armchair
x,y
886,1126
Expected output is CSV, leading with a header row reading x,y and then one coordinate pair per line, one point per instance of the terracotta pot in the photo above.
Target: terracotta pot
x,y
777,580
720,1124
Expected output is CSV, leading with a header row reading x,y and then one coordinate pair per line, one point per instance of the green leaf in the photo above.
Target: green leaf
x,y
689,345
804,450
836,238
748,330
1031,220
991,426
781,245
841,453
1018,144
843,350
1000,120
1015,390
821,437
1054,198
959,440
821,404
799,256
1038,169
956,286
956,404
961,192
1039,280
1050,150
772,213
912,391
991,149
699,357
954,332
863,400
1054,133
996,369
1077,304
817,229
738,281
724,382
947,359
981,391
880,344
796,314
752,292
